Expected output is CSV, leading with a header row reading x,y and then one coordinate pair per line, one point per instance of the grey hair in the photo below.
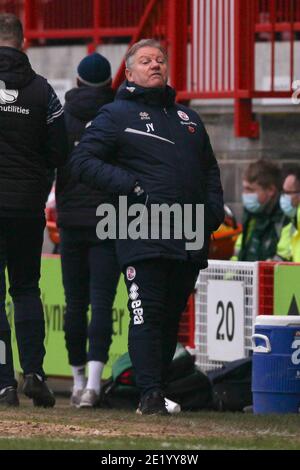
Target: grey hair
x,y
143,43
11,30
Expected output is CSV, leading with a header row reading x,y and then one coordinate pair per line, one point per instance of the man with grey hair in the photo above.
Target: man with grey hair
x,y
129,57
148,148
32,143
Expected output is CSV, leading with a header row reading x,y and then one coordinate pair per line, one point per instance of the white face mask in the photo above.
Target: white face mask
x,y
287,206
251,203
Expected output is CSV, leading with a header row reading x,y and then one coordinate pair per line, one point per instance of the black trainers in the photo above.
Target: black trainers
x,y
37,389
9,397
152,404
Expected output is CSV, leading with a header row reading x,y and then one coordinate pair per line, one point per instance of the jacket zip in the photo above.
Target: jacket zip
x,y
167,117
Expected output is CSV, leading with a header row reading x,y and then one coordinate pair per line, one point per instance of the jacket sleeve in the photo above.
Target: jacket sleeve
x,y
92,161
214,212
56,145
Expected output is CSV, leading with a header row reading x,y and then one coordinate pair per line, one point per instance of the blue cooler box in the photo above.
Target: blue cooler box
x,y
276,365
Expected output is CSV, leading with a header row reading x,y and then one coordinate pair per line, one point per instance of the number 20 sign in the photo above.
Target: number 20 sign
x,y
225,320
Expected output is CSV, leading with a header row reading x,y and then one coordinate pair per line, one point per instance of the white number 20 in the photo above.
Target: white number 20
x,y
296,354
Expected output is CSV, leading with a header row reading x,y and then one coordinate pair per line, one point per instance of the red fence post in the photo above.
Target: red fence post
x,y
245,125
92,46
27,21
177,38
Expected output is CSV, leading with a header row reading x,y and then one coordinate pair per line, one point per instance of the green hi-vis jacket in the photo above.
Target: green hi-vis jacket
x,y
260,237
288,247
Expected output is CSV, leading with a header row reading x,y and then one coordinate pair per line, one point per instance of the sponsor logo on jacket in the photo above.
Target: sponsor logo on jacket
x,y
8,96
7,100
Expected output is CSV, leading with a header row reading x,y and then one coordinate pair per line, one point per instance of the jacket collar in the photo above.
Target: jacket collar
x,y
164,97
84,102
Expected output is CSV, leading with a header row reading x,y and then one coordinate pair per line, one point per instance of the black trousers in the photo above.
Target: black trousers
x,y
90,276
21,241
158,291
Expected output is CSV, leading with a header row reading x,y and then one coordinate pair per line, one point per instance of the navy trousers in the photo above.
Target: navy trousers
x,y
90,276
21,241
158,291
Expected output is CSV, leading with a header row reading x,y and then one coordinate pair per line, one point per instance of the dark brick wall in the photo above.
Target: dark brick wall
x,y
279,140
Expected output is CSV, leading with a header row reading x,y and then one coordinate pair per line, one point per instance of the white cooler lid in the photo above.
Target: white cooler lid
x,y
277,320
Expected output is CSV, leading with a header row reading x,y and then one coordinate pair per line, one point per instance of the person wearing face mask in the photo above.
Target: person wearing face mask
x,y
288,248
263,218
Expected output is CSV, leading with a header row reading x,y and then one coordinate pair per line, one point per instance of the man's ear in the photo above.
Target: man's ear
x,y
128,75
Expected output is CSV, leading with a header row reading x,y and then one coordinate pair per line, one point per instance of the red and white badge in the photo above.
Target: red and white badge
x,y
130,273
183,116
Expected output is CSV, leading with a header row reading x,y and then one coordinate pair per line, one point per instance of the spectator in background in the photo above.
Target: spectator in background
x,y
89,266
288,248
32,142
263,219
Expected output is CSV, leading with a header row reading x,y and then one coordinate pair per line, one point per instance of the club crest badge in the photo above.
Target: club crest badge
x,y
183,116
130,273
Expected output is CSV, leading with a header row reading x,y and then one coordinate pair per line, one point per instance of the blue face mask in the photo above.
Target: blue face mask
x,y
251,203
287,207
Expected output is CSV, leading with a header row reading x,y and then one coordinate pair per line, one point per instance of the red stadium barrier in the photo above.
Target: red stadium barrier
x,y
266,287
186,334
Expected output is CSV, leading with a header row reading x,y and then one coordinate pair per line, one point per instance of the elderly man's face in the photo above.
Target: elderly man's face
x,y
291,186
148,68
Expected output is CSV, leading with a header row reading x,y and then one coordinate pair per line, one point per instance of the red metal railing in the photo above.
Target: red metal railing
x,y
152,24
12,6
277,15
212,49
211,53
211,43
94,20
277,20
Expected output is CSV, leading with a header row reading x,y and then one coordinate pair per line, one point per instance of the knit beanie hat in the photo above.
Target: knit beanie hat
x,y
94,70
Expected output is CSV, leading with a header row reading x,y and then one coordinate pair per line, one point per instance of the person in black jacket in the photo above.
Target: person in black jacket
x,y
153,153
89,266
32,143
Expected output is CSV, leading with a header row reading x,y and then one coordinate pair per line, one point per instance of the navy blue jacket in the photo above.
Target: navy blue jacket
x,y
144,136
77,203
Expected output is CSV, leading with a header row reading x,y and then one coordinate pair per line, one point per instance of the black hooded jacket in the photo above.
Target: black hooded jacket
x,y
77,203
145,137
32,136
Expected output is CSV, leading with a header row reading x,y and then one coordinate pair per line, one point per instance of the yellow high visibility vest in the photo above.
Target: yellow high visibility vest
x,y
288,246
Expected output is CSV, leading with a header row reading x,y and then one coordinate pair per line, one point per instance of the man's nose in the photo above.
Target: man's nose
x,y
155,64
